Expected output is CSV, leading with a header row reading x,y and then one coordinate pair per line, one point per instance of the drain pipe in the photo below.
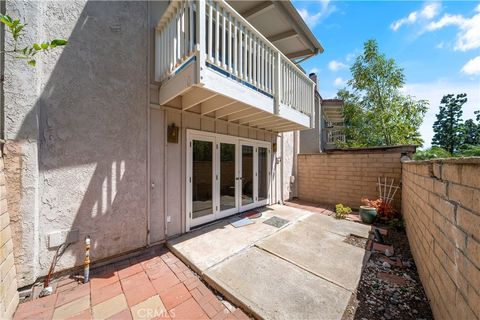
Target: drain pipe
x,y
281,169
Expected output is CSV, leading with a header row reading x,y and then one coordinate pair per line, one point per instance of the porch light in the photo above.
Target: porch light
x,y
172,133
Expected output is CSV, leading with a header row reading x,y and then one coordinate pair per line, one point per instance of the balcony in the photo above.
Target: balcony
x,y
212,61
334,136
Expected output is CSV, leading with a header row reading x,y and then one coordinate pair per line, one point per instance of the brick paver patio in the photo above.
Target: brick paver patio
x,y
156,285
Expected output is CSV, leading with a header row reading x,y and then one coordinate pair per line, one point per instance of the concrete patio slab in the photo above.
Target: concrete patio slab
x,y
321,250
339,226
272,288
302,270
205,247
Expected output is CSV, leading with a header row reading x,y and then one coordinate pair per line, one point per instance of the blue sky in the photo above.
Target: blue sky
x,y
436,43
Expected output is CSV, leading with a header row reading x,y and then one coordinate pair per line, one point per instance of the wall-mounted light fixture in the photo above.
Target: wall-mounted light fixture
x,y
172,133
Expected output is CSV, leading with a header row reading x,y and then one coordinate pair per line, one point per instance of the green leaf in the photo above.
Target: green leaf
x,y
45,45
32,62
59,42
36,46
6,20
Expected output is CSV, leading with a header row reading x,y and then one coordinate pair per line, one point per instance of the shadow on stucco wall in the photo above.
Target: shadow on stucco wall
x,y
92,135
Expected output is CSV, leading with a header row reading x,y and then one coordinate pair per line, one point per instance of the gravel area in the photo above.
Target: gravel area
x,y
389,287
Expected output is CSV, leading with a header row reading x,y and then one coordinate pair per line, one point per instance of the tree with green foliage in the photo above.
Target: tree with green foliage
x,y
448,126
28,52
470,133
375,111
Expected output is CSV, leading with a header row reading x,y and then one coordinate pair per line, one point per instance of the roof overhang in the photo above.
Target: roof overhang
x,y
280,23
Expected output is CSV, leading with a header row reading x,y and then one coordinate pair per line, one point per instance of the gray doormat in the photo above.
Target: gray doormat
x,y
276,222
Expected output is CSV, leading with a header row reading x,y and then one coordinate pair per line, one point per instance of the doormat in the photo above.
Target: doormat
x,y
252,215
276,222
242,223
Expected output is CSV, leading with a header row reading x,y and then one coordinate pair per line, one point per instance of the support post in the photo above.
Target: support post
x,y
277,82
200,38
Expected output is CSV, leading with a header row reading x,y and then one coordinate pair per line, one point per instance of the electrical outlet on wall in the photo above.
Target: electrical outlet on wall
x,y
57,238
169,219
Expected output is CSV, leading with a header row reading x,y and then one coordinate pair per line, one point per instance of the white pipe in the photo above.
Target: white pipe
x,y
165,168
281,170
296,144
149,182
86,262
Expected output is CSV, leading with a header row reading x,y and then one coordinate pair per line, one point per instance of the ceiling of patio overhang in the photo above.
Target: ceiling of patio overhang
x,y
280,23
332,110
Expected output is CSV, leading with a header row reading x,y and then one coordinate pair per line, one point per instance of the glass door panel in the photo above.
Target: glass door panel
x,y
202,178
247,174
262,170
227,176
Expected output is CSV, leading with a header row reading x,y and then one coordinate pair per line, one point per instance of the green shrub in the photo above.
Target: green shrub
x,y
432,153
341,212
469,151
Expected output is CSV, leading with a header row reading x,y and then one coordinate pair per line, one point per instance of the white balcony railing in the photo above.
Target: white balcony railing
x,y
223,40
335,135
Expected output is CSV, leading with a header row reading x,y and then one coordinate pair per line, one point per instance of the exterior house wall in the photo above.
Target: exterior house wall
x,y
8,279
175,162
86,150
311,140
346,177
441,209
76,130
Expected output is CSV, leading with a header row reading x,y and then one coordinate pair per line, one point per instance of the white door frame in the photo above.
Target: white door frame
x,y
189,192
230,140
216,139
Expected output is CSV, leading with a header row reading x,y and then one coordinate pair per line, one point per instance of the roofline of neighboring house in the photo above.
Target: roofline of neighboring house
x,y
292,11
332,102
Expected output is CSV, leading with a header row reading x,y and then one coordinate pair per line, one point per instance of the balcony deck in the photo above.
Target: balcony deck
x,y
232,73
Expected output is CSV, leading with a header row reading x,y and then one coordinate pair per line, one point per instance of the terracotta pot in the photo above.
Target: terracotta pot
x,y
367,214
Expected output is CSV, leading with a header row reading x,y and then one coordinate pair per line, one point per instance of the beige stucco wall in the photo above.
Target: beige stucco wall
x,y
82,151
346,177
76,131
8,280
441,208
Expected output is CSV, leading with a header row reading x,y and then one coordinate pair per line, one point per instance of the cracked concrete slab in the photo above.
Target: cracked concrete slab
x,y
205,247
272,288
303,270
313,246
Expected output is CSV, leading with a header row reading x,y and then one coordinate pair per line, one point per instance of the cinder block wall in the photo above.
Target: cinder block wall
x,y
346,177
8,280
441,208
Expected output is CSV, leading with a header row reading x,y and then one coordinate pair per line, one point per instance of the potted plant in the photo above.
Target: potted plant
x,y
368,212
373,208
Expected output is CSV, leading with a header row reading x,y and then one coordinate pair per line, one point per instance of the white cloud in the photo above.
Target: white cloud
x,y
312,18
339,82
468,36
433,92
314,70
336,65
472,67
428,12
